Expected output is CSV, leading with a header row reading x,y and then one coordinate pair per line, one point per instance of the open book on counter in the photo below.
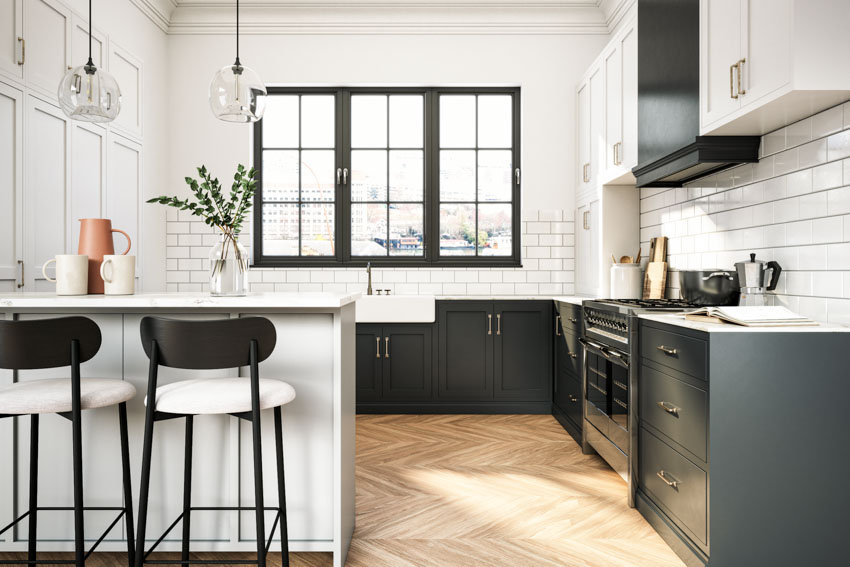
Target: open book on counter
x,y
766,316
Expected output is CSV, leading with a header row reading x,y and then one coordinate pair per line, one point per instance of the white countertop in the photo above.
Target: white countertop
x,y
680,321
317,300
574,299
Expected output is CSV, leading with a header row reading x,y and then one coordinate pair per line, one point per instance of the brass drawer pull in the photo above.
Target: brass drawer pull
x,y
377,347
573,355
668,351
573,320
386,347
740,66
573,399
668,480
23,58
558,326
489,324
731,81
499,324
669,408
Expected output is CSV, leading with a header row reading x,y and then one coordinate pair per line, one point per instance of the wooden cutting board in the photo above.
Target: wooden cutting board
x,y
655,279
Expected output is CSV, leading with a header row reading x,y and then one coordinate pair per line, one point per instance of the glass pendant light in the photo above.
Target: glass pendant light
x,y
89,94
236,93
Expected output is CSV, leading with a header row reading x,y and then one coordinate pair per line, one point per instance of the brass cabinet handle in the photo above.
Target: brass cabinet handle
x,y
617,159
23,43
499,324
668,351
668,480
573,399
21,264
558,326
585,223
669,408
740,66
489,324
573,320
732,80
386,347
377,347
572,355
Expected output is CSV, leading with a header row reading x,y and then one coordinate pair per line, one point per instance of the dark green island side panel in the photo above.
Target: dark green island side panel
x,y
780,449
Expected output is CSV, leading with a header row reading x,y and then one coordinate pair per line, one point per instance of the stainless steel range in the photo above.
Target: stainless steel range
x,y
611,353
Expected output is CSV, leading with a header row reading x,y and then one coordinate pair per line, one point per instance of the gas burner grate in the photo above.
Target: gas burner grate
x,y
650,303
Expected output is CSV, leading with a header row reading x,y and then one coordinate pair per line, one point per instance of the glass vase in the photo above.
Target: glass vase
x,y
228,267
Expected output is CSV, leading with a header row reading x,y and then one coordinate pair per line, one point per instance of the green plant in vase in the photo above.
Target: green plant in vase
x,y
228,259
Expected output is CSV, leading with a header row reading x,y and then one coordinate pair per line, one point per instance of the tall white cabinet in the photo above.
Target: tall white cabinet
x,y
55,171
607,202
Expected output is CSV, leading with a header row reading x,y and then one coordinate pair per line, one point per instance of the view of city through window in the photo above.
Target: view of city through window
x,y
385,188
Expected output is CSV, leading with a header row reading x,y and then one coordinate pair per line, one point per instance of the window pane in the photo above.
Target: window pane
x,y
495,179
317,175
369,230
457,121
317,117
407,121
495,121
280,175
317,230
368,121
369,175
280,230
457,175
406,175
406,236
280,122
494,230
457,230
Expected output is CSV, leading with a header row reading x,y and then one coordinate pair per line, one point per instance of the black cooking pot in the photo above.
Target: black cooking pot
x,y
710,287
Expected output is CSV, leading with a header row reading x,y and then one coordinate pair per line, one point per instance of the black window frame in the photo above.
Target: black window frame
x,y
342,196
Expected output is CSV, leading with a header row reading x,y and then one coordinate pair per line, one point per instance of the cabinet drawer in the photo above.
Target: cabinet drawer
x,y
570,317
683,415
573,399
673,350
570,357
687,497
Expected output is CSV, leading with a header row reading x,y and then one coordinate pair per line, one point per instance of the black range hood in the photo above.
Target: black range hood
x,y
670,150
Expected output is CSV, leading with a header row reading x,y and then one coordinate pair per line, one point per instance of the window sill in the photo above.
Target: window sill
x,y
447,264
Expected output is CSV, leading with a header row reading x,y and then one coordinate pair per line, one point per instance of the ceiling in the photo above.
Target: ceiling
x,y
386,16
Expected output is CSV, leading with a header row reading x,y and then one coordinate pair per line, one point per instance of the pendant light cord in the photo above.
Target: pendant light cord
x,y
237,34
91,63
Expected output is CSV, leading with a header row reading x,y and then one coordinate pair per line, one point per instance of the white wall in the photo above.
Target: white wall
x,y
547,68
793,206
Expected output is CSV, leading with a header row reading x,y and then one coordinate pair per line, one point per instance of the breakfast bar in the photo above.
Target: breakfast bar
x,y
314,354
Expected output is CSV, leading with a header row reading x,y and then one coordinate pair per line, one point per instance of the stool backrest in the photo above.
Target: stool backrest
x,y
207,345
46,343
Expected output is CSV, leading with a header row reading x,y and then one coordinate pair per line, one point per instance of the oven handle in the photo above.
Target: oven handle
x,y
609,354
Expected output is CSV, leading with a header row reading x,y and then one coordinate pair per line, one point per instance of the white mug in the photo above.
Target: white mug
x,y
72,274
119,274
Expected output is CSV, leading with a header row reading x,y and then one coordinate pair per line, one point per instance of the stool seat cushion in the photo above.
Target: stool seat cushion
x,y
220,395
53,395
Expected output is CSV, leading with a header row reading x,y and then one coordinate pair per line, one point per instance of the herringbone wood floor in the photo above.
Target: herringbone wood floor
x,y
482,491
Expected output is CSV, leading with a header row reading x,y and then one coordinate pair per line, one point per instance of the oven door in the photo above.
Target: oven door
x,y
607,392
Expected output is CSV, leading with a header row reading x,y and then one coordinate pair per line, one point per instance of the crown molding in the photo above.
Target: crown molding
x,y
385,17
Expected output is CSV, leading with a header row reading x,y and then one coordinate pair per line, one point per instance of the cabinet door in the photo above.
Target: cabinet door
x,y
11,179
123,192
45,190
11,29
369,354
523,351
561,372
88,172
594,259
597,124
47,26
582,248
627,154
583,119
407,362
613,65
80,44
128,71
466,350
720,49
766,47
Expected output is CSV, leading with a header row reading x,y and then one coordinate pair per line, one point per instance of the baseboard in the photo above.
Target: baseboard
x,y
678,542
566,423
540,408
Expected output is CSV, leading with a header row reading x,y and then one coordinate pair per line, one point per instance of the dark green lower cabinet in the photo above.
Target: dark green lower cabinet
x,y
567,399
489,357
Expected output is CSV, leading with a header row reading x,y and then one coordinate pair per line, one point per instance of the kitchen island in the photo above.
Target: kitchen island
x,y
314,353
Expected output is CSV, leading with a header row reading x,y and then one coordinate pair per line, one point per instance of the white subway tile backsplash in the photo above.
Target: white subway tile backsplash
x,y
798,233
813,205
838,201
827,176
773,142
785,162
829,229
827,122
838,146
798,133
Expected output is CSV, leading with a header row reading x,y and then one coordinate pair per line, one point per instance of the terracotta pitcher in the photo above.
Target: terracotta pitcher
x,y
96,242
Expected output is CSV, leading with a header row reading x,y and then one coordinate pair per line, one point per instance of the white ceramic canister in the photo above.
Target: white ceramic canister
x,y
626,281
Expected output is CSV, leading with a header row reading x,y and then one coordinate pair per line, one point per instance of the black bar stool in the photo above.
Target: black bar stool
x,y
208,345
53,343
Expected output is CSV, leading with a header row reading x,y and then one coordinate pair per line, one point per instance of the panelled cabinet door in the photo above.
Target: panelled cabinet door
x,y
720,51
523,351
369,355
88,177
11,34
46,186
407,362
597,124
80,44
466,350
594,258
765,48
123,192
583,110
582,248
11,188
627,153
613,65
47,30
127,70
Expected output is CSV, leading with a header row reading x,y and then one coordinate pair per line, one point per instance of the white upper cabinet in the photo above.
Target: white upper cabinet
x,y
620,62
11,178
597,126
47,30
80,44
767,63
11,37
127,70
583,145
